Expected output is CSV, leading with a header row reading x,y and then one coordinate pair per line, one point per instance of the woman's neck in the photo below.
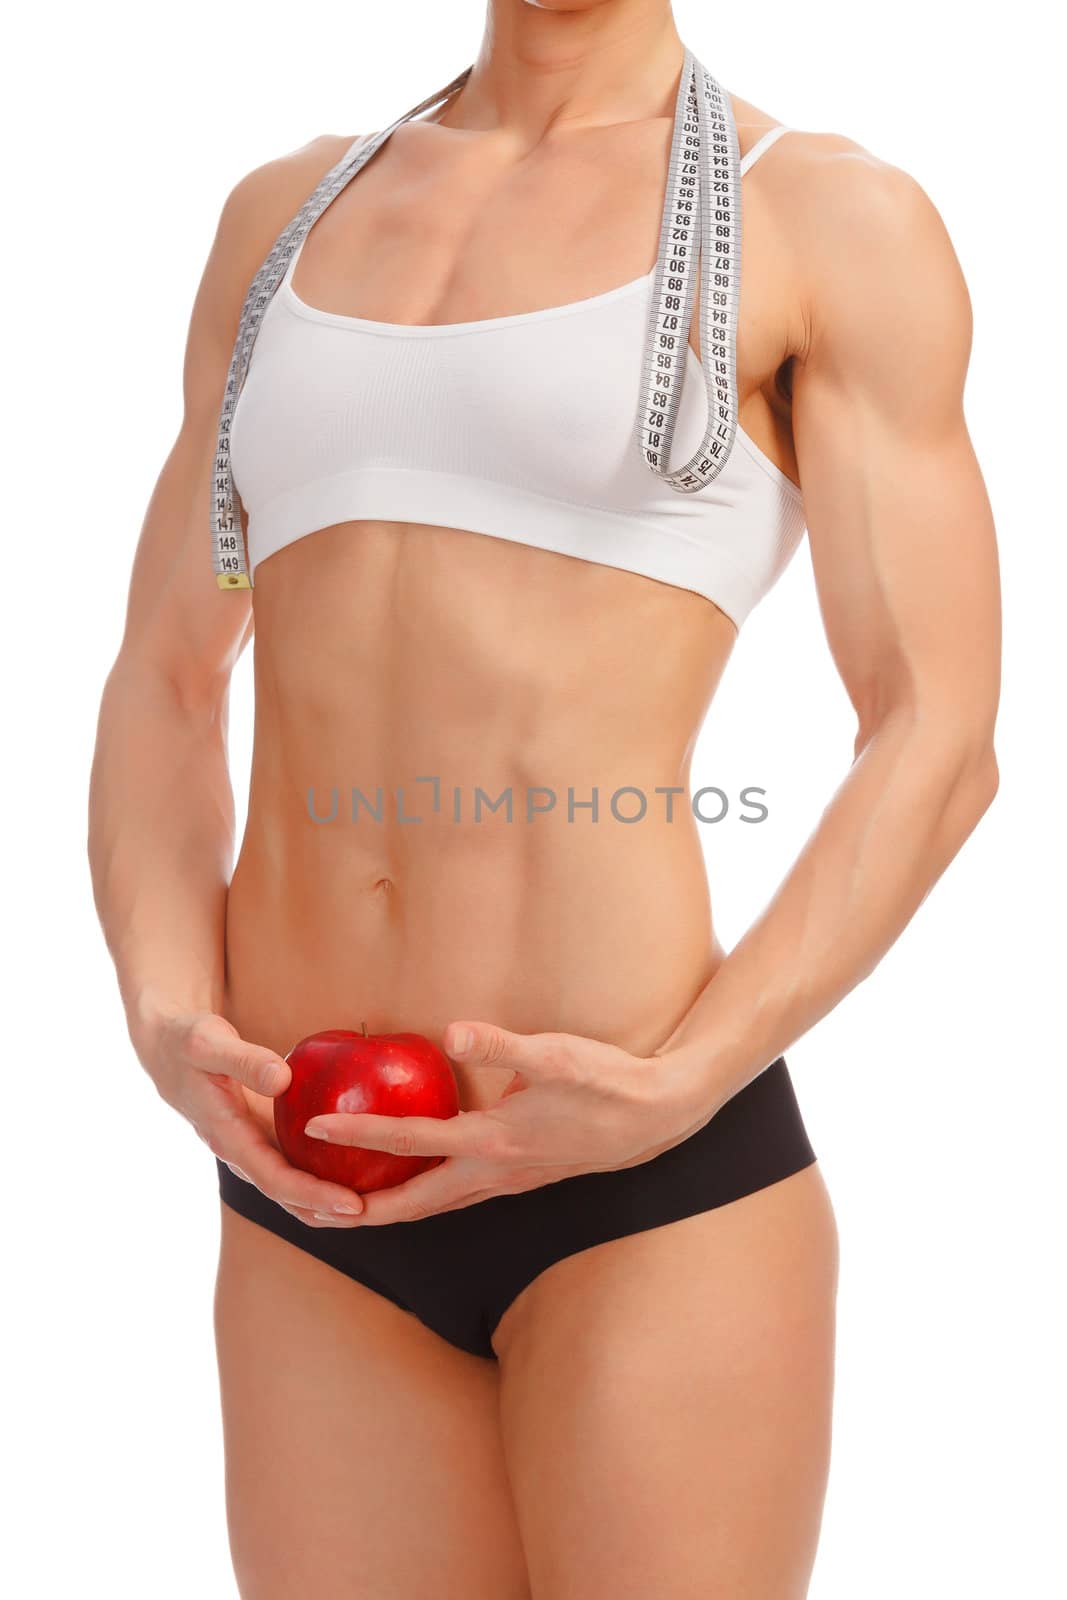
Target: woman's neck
x,y
538,69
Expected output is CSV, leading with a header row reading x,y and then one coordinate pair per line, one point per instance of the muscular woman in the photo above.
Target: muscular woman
x,y
590,1352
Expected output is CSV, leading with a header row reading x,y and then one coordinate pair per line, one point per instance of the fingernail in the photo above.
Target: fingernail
x,y
270,1079
462,1040
351,1211
316,1133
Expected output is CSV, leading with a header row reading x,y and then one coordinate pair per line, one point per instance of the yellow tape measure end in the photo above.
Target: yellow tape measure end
x,y
232,580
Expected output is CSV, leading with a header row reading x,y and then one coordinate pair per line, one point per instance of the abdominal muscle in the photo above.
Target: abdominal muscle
x,y
386,653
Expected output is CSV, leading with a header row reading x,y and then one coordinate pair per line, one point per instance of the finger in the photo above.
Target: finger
x,y
469,1133
470,1197
320,1219
448,1187
240,1140
211,1046
316,1219
484,1044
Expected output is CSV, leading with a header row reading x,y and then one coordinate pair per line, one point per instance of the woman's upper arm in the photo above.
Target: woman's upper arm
x,y
177,619
899,523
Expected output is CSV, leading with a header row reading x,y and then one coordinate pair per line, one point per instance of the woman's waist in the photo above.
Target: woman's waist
x,y
603,939
404,873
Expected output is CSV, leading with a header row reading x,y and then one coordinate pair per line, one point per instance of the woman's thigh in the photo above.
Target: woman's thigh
x,y
363,1452
666,1404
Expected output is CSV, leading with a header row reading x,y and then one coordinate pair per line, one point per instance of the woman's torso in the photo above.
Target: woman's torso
x,y
423,665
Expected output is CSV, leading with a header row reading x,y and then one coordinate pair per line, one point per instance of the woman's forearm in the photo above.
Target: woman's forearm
x,y
912,796
160,840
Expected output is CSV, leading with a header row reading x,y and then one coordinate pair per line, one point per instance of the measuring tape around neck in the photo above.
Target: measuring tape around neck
x,y
701,226
701,223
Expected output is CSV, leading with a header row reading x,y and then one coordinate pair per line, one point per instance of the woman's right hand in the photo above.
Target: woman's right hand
x,y
203,1068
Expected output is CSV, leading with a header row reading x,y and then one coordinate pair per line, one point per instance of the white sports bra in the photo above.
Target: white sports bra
x,y
467,425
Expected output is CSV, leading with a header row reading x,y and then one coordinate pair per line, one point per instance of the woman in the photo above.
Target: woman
x,y
590,1351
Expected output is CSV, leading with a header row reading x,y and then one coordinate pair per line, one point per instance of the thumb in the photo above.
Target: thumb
x,y
483,1044
213,1045
259,1069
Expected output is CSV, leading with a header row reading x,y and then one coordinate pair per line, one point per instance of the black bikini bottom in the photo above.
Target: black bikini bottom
x,y
459,1271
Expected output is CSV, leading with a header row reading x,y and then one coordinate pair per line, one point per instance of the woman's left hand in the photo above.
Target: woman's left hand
x,y
574,1105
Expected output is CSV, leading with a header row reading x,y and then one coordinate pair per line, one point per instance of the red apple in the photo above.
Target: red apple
x,y
391,1074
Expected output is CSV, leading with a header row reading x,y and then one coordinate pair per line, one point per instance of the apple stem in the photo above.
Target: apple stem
x,y
363,1025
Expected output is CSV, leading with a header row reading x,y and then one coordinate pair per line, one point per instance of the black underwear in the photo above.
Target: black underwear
x,y
460,1270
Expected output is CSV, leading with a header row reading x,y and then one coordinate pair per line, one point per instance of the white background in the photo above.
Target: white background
x,y
934,1095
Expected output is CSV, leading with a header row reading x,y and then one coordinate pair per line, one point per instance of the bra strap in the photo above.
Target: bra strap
x,y
762,144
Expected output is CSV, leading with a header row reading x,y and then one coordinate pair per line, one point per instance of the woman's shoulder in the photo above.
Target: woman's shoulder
x,y
838,203
267,196
258,207
827,175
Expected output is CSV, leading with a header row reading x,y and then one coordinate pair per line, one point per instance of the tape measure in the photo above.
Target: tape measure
x,y
700,235
701,223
